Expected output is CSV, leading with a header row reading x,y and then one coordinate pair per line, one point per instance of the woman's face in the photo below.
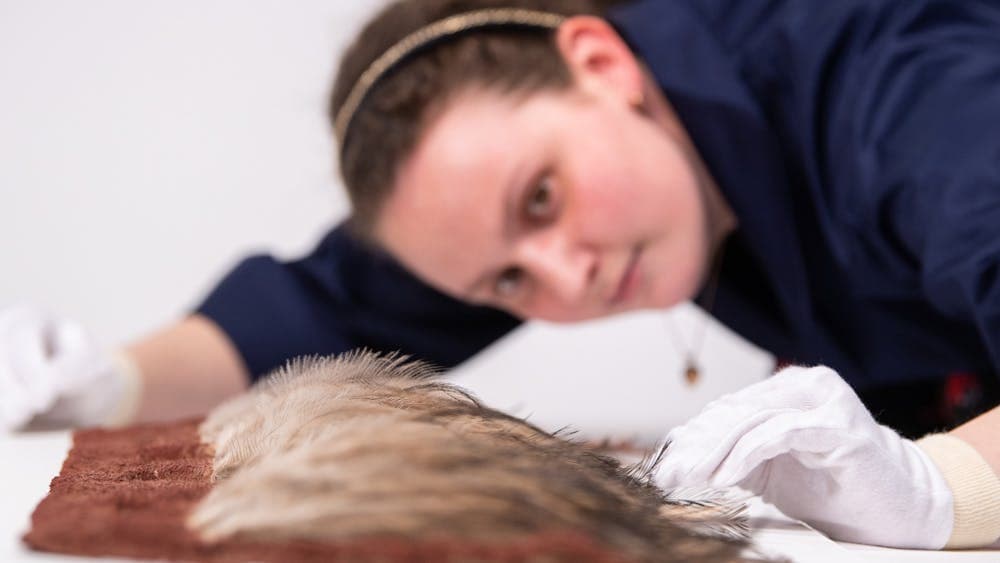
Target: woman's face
x,y
561,206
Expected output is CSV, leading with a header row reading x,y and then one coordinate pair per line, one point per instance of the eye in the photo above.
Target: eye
x,y
509,283
540,202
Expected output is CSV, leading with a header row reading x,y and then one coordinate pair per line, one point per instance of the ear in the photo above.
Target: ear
x,y
599,59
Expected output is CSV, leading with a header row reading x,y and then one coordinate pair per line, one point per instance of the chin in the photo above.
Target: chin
x,y
574,316
674,291
663,303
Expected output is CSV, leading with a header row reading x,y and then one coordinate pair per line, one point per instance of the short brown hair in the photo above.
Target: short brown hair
x,y
386,127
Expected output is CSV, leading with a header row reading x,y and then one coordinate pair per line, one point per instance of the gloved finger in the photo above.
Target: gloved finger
x,y
698,449
702,448
802,389
75,354
13,392
838,435
69,338
815,448
797,387
17,401
824,432
838,450
727,460
25,354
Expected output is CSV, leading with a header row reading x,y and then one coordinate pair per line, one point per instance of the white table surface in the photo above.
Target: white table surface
x,y
28,462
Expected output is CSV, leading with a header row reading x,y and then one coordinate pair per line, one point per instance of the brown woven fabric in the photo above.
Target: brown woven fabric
x,y
126,493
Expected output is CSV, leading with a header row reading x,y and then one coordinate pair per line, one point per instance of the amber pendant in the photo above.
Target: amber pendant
x,y
691,374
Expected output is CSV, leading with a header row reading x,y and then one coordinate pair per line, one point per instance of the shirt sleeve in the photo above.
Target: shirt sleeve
x,y
932,131
342,296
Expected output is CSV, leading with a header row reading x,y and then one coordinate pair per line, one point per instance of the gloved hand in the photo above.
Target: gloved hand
x,y
52,374
804,442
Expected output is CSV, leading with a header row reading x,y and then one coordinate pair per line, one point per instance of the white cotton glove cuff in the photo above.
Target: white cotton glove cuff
x,y
130,378
974,486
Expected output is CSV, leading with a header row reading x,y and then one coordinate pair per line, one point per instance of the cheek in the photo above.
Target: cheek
x,y
607,204
641,192
627,210
676,269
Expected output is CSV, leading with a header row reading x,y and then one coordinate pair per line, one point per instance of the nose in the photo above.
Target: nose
x,y
560,267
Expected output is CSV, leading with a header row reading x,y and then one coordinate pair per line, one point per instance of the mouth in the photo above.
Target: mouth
x,y
629,282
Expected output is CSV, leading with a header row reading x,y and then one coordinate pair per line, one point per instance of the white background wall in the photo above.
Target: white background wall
x,y
146,146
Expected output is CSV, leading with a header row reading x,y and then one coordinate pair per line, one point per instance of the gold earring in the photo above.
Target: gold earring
x,y
637,100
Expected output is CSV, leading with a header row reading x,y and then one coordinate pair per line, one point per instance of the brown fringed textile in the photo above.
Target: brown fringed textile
x,y
126,493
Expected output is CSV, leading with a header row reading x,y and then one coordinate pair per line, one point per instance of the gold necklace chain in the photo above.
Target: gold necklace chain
x,y
692,372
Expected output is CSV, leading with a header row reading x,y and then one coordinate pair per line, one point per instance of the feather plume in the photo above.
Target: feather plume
x,y
363,445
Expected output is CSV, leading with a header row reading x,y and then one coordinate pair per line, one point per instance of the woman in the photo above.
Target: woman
x,y
836,161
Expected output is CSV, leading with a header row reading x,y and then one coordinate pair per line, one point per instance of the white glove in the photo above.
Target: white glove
x,y
52,374
804,441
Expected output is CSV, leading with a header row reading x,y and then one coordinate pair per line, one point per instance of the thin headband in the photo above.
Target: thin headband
x,y
428,34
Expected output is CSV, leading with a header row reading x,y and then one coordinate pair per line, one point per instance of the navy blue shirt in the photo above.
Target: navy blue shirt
x,y
857,141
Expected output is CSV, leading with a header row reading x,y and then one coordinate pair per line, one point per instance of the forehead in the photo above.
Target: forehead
x,y
479,134
445,216
473,143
